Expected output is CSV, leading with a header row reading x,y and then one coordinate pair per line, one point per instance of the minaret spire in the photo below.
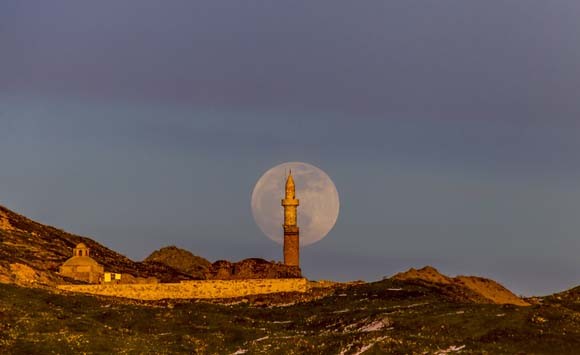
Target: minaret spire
x,y
291,230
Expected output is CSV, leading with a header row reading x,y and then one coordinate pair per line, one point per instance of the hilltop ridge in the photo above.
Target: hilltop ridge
x,y
180,259
473,288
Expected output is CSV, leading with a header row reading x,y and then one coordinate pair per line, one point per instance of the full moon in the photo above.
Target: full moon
x,y
319,203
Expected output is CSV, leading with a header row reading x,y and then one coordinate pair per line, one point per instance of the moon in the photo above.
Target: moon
x,y
319,202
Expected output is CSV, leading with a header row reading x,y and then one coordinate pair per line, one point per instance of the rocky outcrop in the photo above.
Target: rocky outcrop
x,y
428,273
470,288
251,269
181,260
4,221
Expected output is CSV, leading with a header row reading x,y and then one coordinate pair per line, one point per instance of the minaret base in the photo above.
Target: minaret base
x,y
291,247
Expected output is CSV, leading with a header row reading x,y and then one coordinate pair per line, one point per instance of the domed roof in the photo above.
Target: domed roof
x,y
81,246
81,260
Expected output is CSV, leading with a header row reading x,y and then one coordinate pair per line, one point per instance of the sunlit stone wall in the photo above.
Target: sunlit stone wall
x,y
193,289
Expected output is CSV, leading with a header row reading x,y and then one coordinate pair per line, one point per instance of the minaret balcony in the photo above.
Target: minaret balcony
x,y
290,202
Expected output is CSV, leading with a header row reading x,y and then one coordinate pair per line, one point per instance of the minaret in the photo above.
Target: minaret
x,y
291,235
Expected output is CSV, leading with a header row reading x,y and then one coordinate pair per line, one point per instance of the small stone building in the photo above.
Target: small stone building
x,y
82,267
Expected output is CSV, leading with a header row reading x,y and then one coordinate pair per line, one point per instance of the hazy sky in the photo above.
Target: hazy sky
x,y
450,128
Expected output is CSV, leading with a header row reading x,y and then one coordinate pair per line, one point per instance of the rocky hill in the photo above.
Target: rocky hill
x,y
469,288
32,252
253,268
201,269
181,260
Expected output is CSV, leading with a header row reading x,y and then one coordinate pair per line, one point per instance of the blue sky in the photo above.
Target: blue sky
x,y
451,129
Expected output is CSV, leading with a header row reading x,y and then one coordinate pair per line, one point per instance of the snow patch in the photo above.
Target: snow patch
x,y
373,327
364,348
341,311
451,349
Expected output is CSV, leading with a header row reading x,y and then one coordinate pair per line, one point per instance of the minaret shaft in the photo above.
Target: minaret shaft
x,y
291,231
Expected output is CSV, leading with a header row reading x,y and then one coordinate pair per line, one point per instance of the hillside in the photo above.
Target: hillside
x,y
569,299
390,316
32,252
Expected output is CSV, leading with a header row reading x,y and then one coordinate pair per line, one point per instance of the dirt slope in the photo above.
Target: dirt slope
x,y
481,290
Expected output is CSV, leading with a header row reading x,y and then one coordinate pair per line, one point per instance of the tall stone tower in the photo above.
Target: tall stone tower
x,y
291,233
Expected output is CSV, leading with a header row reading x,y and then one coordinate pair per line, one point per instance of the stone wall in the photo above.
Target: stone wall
x,y
193,289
